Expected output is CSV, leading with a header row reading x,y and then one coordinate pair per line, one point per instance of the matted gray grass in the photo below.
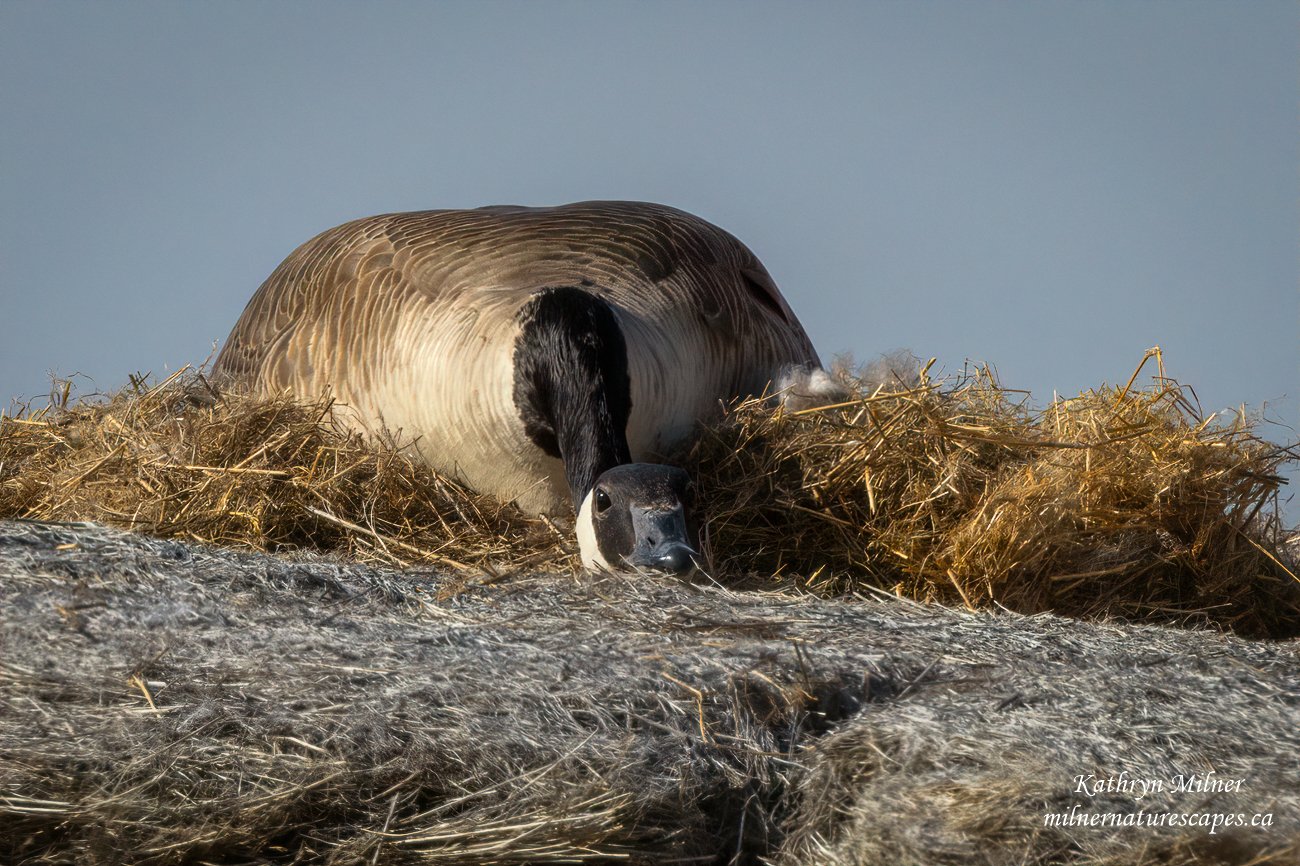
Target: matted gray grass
x,y
163,702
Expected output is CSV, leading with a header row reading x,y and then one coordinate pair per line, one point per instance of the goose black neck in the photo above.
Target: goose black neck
x,y
571,385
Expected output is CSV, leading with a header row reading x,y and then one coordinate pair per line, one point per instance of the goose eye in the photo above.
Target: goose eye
x,y
602,500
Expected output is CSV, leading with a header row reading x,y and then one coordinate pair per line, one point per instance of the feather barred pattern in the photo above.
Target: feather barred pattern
x,y
410,320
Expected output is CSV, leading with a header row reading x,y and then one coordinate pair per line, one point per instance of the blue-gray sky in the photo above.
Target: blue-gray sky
x,y
1048,187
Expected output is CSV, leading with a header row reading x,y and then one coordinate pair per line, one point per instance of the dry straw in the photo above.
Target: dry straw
x,y
1123,501
184,459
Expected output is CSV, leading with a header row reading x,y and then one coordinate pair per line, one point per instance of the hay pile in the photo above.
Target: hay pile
x,y
1121,502
166,703
182,459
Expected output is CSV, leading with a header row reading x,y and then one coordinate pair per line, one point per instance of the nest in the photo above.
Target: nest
x,y
1123,501
184,459
1120,502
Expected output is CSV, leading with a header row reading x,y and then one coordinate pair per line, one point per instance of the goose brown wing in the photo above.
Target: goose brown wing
x,y
317,319
674,267
329,312
749,330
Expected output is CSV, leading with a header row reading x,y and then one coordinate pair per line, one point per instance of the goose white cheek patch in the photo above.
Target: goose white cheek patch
x,y
588,548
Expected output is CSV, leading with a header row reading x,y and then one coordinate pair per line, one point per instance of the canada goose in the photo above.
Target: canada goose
x,y
536,353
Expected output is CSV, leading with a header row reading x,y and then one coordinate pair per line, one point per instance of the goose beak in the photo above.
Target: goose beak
x,y
675,559
662,542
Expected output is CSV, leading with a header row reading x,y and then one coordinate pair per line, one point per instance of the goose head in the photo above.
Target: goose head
x,y
638,515
573,394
